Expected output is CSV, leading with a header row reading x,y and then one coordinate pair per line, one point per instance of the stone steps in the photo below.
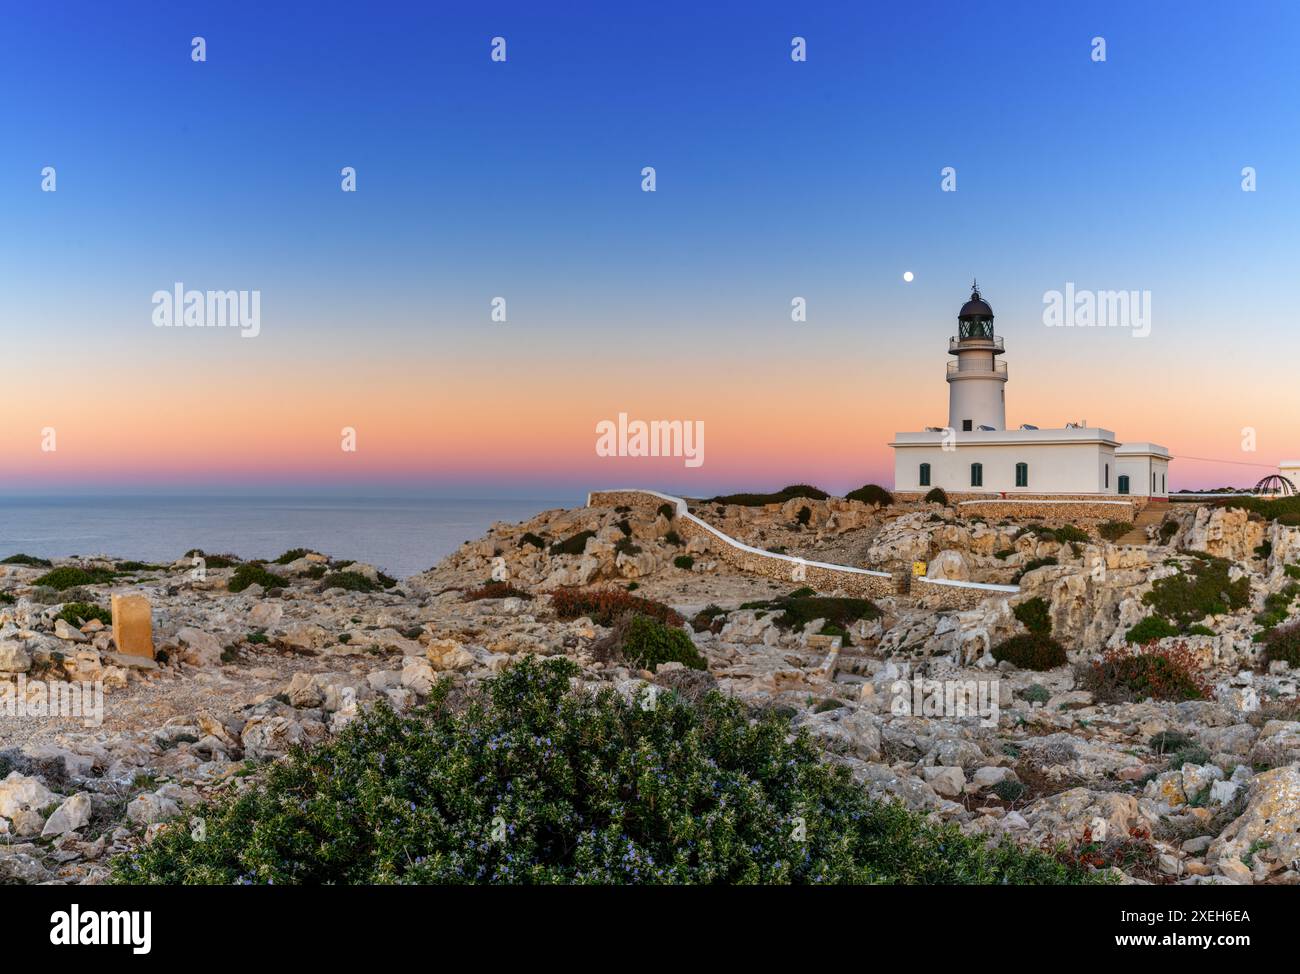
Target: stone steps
x,y
1153,513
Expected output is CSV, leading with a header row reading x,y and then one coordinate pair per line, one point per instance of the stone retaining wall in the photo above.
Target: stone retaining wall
x,y
822,576
1060,509
1135,502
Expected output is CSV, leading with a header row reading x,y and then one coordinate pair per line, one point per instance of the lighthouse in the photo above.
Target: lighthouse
x,y
977,398
975,456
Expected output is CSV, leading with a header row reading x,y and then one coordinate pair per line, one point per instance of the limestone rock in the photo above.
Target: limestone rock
x,y
68,817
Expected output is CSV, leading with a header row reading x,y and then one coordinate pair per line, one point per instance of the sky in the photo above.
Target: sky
x,y
522,179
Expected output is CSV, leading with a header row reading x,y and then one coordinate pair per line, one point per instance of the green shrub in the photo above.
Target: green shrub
x,y
1149,630
803,516
626,546
575,544
780,497
648,642
246,575
349,581
7,599
1114,530
293,554
937,495
685,562
605,606
79,613
534,782
667,510
673,539
532,539
136,566
1168,529
1009,790
69,576
1264,549
1037,693
1292,571
1070,533
1283,643
1277,606
1199,630
1200,590
871,494
29,560
1034,614
800,608
1031,651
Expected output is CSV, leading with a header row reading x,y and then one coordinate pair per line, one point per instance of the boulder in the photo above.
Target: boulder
x,y
199,648
68,817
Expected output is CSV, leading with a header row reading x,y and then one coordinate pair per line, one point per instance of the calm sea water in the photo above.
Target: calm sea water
x,y
401,536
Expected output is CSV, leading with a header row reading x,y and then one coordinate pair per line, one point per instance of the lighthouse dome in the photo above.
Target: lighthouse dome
x,y
976,307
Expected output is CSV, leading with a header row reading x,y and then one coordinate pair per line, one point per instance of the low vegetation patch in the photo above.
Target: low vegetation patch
x,y
246,575
532,539
533,781
801,607
1201,589
1149,630
79,613
293,554
871,494
1283,643
1277,607
30,560
779,497
1114,530
1125,674
69,576
605,606
1034,615
348,581
937,495
684,562
1031,651
644,643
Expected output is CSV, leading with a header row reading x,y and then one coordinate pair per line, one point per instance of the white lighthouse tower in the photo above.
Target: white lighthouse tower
x,y
977,381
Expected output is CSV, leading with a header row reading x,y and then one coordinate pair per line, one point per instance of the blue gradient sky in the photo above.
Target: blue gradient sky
x,y
522,179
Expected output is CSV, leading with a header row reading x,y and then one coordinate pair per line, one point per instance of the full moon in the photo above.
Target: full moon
x,y
907,276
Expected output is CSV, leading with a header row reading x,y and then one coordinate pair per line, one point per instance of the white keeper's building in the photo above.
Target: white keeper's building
x,y
977,454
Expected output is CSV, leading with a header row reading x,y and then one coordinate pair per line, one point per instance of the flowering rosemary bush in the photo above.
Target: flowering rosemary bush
x,y
534,781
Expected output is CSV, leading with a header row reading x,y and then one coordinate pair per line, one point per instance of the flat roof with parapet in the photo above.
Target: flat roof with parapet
x,y
1145,449
1070,435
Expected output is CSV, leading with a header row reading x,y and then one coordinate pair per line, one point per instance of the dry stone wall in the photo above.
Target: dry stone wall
x,y
824,577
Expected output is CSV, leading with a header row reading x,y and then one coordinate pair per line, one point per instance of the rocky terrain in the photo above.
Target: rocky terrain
x,y
1161,791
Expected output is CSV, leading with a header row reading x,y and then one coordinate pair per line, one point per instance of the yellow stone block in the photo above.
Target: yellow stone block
x,y
132,625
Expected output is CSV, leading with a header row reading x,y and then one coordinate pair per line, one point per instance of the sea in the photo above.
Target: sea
x,y
401,536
